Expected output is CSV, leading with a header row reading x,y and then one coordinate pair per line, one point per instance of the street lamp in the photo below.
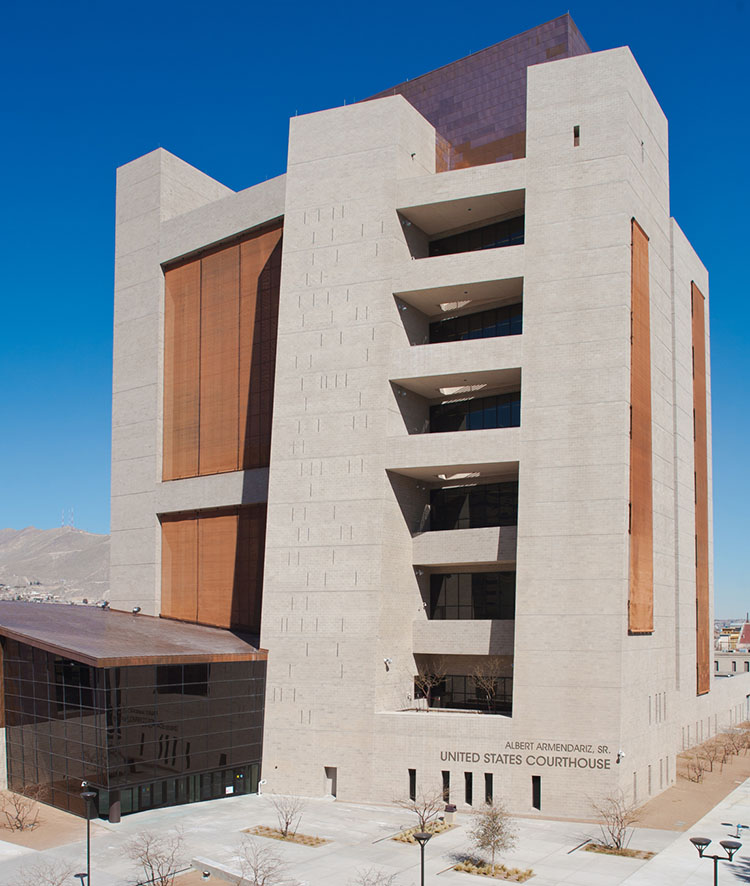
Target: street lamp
x,y
729,846
87,796
422,837
80,877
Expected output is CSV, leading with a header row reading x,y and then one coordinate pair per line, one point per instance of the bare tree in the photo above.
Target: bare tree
x,y
46,873
617,817
426,807
21,811
487,679
431,672
289,811
493,830
711,753
159,856
260,865
696,768
735,741
372,877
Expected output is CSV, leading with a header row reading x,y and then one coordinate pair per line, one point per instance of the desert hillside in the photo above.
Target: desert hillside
x,y
65,563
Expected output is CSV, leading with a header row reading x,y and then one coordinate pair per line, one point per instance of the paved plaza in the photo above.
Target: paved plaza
x,y
360,839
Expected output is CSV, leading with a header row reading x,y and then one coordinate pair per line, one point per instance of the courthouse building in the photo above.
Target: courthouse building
x,y
428,417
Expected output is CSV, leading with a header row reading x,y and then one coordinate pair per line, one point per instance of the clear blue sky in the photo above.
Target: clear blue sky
x,y
88,86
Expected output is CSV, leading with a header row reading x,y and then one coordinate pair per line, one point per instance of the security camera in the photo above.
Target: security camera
x,y
136,610
205,875
620,756
84,784
387,661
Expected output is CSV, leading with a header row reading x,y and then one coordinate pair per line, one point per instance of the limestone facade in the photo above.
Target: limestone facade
x,y
350,551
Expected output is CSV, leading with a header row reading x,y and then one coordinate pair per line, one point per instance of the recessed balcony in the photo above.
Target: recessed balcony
x,y
489,362
442,202
464,296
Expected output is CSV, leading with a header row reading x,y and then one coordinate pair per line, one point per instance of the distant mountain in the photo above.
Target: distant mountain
x,y
66,563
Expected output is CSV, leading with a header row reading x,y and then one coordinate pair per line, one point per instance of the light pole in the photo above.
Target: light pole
x,y
87,796
422,837
729,846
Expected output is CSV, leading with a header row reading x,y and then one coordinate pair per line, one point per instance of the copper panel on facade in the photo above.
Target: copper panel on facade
x,y
181,371
220,353
217,555
219,362
700,449
641,585
179,568
260,277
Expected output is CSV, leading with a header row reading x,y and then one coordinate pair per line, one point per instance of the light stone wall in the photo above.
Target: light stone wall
x,y
579,678
348,485
165,209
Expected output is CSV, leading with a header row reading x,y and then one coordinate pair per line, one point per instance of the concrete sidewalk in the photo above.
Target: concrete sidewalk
x,y
679,865
360,839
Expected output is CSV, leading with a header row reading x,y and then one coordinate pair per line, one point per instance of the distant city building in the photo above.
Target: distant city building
x,y
734,636
430,414
731,663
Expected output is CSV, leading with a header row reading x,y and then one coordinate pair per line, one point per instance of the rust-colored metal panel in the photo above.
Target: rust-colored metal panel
x,y
179,568
217,555
219,361
641,589
107,638
260,273
181,371
700,449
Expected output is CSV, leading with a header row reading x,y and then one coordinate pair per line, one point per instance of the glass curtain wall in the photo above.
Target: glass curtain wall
x,y
158,734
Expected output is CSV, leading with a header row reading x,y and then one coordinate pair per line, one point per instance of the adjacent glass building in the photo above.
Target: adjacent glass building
x,y
148,731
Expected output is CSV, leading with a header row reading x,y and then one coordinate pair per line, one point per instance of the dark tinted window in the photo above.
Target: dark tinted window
x,y
503,233
486,324
465,595
127,726
480,413
473,507
469,692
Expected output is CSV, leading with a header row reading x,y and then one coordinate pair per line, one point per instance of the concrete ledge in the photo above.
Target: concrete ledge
x,y
214,491
427,455
466,547
222,219
218,871
470,360
464,267
458,637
